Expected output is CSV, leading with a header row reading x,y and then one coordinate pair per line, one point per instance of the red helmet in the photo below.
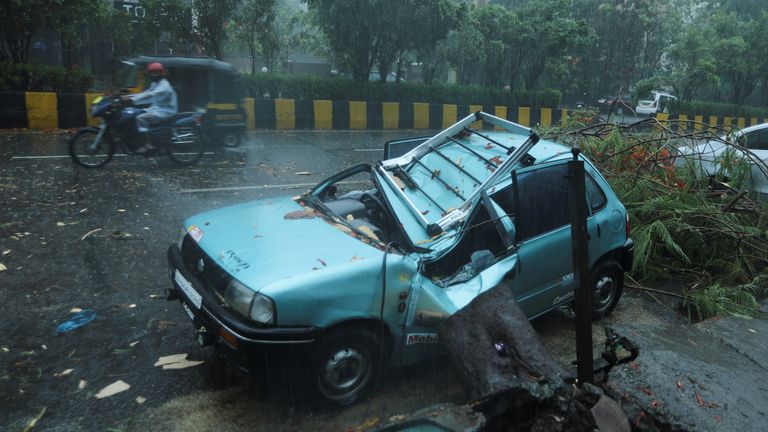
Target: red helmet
x,y
156,67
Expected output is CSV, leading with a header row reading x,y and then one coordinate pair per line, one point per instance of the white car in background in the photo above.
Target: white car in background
x,y
709,155
660,102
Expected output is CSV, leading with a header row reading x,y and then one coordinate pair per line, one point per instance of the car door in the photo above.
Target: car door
x,y
757,142
538,198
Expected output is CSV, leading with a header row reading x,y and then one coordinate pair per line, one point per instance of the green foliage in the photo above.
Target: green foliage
x,y
22,19
681,229
718,300
364,33
35,77
308,88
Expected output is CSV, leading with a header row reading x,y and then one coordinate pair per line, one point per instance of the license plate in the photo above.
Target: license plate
x,y
192,295
188,311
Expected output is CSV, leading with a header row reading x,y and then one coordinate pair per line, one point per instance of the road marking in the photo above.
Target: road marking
x,y
239,188
67,156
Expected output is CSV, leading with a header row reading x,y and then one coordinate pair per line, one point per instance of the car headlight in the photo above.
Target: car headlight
x,y
242,299
263,309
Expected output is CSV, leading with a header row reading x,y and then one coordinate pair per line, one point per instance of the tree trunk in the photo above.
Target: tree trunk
x,y
516,383
495,349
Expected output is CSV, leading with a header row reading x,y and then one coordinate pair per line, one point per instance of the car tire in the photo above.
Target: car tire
x,y
346,365
607,284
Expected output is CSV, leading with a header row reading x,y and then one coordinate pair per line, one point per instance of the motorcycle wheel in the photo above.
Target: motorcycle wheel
x,y
230,139
186,145
85,153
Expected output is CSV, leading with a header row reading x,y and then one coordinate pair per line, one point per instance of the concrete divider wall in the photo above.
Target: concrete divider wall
x,y
36,110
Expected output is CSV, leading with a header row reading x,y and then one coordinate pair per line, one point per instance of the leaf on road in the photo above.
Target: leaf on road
x,y
3,267
34,421
75,310
303,173
81,385
6,252
60,224
63,373
175,358
699,400
119,235
113,389
140,400
182,364
89,233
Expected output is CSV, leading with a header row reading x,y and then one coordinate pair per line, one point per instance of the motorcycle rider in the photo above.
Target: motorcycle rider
x,y
163,102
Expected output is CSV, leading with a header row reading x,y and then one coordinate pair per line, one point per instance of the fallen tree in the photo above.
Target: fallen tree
x,y
513,379
701,229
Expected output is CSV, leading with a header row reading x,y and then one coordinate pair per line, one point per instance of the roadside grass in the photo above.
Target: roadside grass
x,y
700,230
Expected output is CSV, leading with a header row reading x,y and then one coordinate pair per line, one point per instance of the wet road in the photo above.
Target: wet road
x,y
96,239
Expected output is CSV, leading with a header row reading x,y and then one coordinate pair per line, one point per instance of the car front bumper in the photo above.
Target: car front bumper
x,y
239,338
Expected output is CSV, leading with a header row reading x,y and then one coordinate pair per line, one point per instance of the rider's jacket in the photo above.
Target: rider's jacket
x,y
162,97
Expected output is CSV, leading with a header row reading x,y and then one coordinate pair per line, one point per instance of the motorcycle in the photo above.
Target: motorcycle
x,y
180,137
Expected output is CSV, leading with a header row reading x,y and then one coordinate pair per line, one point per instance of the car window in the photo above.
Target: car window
x,y
757,140
595,194
543,200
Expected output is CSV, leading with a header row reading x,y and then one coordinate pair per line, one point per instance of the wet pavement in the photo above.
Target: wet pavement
x,y
96,239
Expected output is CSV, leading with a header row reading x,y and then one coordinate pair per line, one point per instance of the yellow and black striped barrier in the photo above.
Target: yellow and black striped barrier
x,y
37,110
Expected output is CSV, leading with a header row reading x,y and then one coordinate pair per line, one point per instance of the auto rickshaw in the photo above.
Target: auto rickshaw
x,y
201,83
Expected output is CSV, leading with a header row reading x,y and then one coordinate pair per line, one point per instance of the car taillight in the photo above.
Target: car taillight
x,y
626,229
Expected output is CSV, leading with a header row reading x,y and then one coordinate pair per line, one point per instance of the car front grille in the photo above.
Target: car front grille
x,y
201,265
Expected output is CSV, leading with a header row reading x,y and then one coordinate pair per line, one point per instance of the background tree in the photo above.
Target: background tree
x,y
200,23
22,19
255,26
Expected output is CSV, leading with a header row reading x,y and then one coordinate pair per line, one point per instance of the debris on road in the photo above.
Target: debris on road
x,y
34,421
176,361
303,173
77,320
81,385
119,235
61,224
75,310
63,373
89,233
113,389
140,400
3,267
175,358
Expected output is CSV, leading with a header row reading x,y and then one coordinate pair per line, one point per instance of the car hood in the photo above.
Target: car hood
x,y
265,241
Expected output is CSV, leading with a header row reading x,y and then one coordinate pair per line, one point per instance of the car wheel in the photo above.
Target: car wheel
x,y
345,366
607,284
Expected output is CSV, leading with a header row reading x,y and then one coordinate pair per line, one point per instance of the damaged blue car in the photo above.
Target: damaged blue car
x,y
363,268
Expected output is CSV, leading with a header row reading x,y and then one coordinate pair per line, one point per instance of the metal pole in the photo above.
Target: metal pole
x,y
579,239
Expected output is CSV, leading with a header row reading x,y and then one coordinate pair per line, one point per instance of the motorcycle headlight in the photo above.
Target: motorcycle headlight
x,y
242,299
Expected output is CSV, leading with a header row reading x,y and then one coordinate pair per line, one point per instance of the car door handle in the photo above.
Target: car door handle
x,y
598,230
